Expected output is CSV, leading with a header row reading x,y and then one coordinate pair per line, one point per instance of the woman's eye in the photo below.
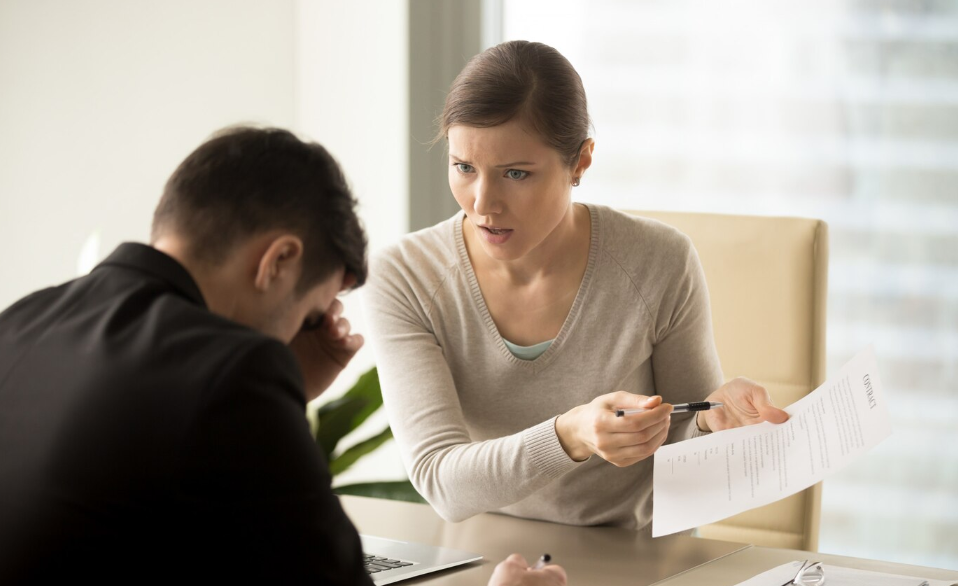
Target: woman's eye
x,y
463,168
516,174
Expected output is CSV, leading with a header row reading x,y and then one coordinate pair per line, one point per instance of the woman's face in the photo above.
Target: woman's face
x,y
514,188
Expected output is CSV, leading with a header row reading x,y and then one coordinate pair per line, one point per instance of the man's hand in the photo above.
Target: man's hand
x,y
746,403
324,352
623,441
514,571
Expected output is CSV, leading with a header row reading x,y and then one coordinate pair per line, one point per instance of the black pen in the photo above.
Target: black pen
x,y
680,408
543,561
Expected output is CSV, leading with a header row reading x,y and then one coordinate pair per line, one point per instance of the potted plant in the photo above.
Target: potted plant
x,y
339,417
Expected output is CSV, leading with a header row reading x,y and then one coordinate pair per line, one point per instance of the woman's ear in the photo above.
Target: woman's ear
x,y
585,160
279,263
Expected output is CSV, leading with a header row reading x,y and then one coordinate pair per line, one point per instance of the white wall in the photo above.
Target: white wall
x,y
352,73
101,99
352,70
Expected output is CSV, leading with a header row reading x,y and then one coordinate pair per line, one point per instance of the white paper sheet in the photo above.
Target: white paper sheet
x,y
840,576
712,477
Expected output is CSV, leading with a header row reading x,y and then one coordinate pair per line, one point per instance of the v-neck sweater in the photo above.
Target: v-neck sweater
x,y
476,425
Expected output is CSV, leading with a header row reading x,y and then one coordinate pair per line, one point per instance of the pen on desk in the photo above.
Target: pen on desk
x,y
680,408
543,561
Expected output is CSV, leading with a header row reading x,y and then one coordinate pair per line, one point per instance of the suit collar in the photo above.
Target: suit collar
x,y
158,264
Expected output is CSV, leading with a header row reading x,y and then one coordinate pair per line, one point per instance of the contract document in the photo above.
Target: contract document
x,y
712,477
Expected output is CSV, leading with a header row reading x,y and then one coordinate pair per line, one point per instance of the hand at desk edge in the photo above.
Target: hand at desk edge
x,y
514,571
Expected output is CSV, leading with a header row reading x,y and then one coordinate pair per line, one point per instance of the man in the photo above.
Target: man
x,y
152,412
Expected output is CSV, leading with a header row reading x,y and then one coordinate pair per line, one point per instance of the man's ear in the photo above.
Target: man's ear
x,y
349,280
281,261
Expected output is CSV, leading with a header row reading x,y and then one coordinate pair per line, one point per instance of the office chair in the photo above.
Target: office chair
x,y
767,280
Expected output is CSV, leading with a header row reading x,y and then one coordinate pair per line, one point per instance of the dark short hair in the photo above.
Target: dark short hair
x,y
244,181
531,82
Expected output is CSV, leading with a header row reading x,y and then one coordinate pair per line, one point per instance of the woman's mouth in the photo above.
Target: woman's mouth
x,y
495,235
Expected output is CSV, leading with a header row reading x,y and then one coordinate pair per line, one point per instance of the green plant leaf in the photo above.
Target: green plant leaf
x,y
367,387
401,490
336,421
349,457
339,417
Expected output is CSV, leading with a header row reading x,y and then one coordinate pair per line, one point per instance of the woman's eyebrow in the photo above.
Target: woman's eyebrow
x,y
515,163
502,166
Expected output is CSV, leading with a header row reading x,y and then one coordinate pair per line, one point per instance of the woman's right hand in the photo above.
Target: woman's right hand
x,y
623,441
514,571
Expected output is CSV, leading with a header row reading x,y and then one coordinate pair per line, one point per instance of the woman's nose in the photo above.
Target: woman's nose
x,y
486,201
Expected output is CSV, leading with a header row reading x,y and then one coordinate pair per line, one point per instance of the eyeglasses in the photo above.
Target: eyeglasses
x,y
810,574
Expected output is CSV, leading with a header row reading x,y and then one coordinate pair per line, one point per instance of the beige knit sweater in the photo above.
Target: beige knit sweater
x,y
476,425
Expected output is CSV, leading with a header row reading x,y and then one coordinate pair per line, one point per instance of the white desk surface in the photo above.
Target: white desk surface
x,y
619,556
749,562
603,556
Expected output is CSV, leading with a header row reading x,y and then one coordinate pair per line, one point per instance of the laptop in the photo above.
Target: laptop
x,y
388,560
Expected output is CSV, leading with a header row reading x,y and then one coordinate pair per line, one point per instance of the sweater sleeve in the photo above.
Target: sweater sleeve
x,y
685,361
458,476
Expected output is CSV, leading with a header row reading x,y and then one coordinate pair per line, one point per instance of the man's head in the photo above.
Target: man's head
x,y
266,225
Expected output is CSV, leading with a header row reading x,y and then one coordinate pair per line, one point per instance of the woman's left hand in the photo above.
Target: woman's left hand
x,y
746,403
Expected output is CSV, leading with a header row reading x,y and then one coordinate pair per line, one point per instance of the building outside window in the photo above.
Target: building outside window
x,y
844,110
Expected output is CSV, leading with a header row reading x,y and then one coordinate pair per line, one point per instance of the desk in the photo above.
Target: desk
x,y
602,556
619,556
755,560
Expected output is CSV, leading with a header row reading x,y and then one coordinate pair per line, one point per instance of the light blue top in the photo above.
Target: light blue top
x,y
528,352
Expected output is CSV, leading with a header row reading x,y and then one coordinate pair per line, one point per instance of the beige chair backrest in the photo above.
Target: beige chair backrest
x,y
767,280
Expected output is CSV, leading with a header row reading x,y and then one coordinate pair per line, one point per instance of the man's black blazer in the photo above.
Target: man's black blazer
x,y
144,439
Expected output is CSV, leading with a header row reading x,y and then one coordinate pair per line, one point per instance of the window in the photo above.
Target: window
x,y
845,110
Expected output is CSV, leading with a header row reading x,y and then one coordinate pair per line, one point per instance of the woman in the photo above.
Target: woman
x,y
507,335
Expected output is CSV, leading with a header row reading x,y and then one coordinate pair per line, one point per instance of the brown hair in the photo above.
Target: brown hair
x,y
525,80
